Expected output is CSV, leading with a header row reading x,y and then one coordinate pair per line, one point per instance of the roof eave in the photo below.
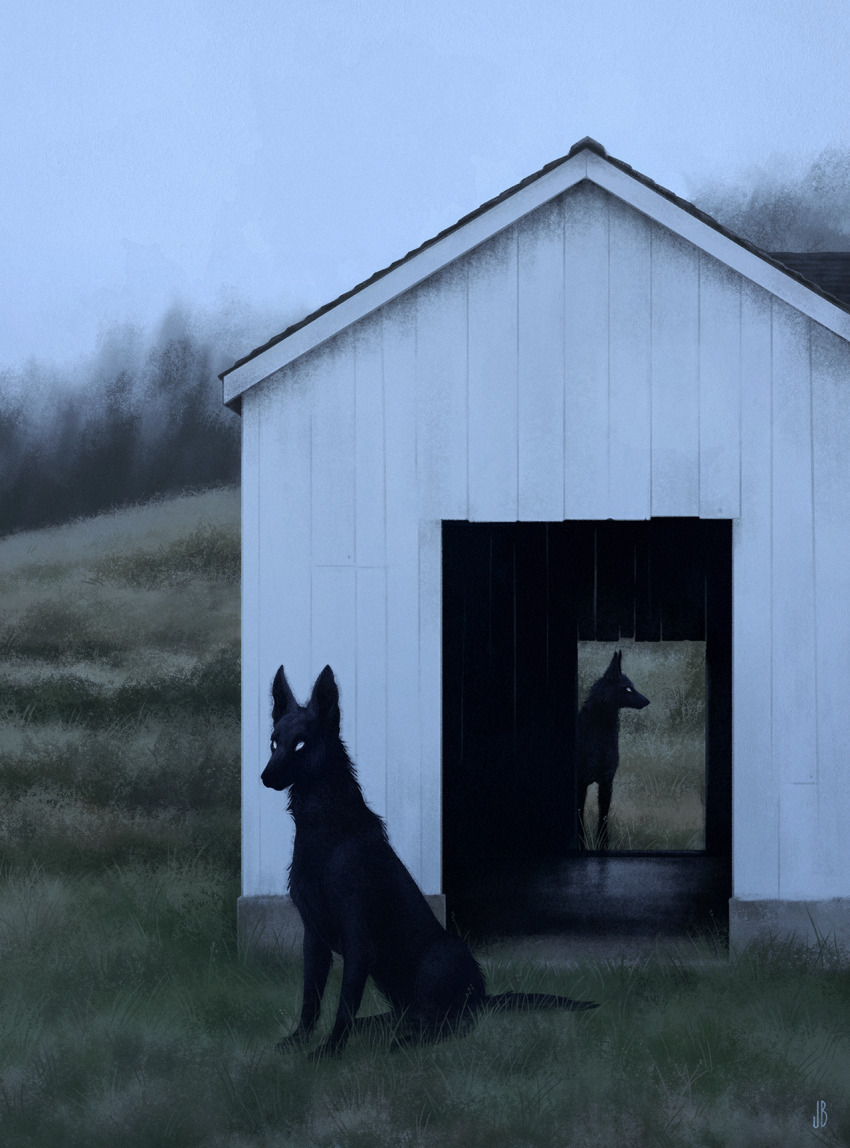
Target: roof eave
x,y
586,160
739,254
405,274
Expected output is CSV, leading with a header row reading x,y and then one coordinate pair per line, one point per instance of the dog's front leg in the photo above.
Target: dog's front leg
x,y
317,963
354,973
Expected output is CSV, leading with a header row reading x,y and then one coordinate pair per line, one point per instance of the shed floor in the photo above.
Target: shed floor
x,y
571,951
599,904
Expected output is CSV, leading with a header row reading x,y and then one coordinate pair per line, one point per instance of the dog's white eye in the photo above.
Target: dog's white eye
x,y
299,746
628,689
274,745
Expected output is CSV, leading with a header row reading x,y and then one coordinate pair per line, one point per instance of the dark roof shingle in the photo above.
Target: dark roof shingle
x,y
828,270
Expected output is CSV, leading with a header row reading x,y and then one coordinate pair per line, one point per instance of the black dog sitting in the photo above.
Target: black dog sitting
x,y
356,897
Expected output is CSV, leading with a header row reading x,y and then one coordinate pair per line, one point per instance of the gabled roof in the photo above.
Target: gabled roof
x,y
782,274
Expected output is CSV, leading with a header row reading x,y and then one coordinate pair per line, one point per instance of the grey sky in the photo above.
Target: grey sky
x,y
278,153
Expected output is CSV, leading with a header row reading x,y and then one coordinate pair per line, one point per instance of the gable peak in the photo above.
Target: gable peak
x,y
587,144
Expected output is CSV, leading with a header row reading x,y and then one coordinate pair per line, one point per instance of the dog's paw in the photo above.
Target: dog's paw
x,y
295,1040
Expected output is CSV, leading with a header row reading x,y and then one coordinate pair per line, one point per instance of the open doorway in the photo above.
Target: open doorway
x,y
532,613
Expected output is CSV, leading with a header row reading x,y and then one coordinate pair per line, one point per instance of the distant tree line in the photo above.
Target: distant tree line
x,y
132,424
785,207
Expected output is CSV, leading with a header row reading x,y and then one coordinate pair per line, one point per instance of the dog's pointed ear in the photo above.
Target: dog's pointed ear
x,y
325,701
282,696
613,667
620,660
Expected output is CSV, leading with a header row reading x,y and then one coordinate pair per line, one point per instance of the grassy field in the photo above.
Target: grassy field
x,y
130,1016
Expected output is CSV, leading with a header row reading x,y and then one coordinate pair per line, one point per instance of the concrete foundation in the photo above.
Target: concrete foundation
x,y
272,922
812,922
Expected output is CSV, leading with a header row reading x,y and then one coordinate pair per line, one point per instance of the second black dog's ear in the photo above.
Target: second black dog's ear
x,y
614,666
282,696
325,700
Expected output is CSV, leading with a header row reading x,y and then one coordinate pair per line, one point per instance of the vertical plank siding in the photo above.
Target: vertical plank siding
x,y
430,705
492,379
284,548
441,399
795,734
370,702
585,363
370,589
286,529
792,560
333,459
540,364
719,390
630,363
675,375
369,442
755,825
586,354
252,691
334,639
831,477
402,625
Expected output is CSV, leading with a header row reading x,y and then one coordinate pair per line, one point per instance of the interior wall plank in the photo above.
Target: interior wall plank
x,y
586,353
675,375
630,364
719,390
493,484
540,307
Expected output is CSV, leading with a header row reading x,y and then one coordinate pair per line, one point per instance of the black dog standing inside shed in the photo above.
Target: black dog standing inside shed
x,y
598,741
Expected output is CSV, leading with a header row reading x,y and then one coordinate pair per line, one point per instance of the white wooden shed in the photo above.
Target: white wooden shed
x,y
586,348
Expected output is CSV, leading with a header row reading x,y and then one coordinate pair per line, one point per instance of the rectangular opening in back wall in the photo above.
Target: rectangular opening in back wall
x,y
532,614
659,787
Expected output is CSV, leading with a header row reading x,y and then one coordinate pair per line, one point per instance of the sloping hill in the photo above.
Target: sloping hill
x,y
119,684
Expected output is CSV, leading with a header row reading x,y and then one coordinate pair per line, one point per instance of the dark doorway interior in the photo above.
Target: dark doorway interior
x,y
517,599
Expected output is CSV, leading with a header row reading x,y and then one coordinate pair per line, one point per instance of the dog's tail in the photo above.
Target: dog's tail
x,y
523,1001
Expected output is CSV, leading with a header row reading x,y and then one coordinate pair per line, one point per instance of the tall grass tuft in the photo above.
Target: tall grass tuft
x,y
129,1012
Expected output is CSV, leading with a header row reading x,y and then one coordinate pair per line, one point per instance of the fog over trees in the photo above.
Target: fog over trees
x,y
144,417
782,209
141,417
